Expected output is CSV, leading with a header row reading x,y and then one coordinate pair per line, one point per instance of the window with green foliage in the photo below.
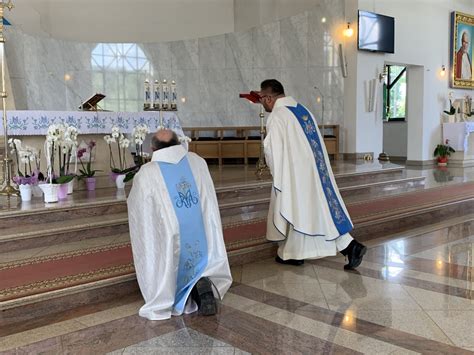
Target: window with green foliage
x,y
118,71
395,93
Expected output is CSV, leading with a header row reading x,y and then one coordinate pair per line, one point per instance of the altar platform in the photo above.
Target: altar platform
x,y
78,250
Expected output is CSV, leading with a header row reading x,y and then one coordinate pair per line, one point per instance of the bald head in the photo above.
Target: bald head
x,y
164,138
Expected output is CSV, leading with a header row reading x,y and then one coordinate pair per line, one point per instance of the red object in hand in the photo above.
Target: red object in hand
x,y
253,96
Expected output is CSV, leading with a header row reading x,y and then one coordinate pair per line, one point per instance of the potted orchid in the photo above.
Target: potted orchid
x,y
140,157
87,172
118,170
442,152
26,177
61,142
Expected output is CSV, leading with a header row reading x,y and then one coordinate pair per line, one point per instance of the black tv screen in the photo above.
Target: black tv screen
x,y
376,32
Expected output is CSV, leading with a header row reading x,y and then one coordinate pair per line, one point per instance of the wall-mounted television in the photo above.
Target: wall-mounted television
x,y
376,32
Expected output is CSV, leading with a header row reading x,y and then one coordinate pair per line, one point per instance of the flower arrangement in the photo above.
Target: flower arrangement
x,y
87,171
139,134
122,145
452,110
27,173
61,140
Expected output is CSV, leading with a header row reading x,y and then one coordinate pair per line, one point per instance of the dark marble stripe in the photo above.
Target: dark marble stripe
x,y
40,314
105,337
259,336
336,319
401,279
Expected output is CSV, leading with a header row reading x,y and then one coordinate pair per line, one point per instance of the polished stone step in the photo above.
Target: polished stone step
x,y
43,234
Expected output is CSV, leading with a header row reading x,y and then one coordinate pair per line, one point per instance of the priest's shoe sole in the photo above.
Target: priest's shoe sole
x,y
204,297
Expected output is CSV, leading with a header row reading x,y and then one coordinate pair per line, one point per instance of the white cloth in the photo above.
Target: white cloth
x,y
36,123
466,71
154,233
299,213
458,134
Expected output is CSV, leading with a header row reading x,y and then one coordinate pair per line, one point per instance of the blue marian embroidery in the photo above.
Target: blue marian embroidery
x,y
185,196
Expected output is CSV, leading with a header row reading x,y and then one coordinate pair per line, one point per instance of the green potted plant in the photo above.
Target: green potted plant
x,y
442,152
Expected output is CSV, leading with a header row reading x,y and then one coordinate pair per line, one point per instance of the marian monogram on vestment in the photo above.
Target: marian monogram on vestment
x,y
186,197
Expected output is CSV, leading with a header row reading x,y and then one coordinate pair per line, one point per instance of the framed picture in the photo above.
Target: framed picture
x,y
462,34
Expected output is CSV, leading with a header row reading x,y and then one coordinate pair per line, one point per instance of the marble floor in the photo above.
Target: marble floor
x,y
412,294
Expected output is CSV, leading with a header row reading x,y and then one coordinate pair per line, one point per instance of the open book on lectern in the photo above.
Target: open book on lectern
x,y
91,103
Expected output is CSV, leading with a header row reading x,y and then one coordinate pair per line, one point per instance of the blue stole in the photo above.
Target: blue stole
x,y
186,202
339,217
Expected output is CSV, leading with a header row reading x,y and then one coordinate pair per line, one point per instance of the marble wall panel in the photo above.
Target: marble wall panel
x,y
14,49
239,50
185,54
212,52
294,41
267,46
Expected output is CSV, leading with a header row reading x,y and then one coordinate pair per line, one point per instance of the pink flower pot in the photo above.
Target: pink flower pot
x,y
62,191
90,183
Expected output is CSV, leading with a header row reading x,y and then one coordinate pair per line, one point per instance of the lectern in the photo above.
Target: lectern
x,y
91,103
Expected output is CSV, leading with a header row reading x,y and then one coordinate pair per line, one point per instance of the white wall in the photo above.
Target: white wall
x,y
422,32
123,20
250,13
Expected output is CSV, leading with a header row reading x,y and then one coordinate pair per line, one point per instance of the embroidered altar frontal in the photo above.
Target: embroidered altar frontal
x,y
35,123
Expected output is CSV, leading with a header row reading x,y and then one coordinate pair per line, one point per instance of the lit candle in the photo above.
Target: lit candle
x,y
156,95
147,102
165,92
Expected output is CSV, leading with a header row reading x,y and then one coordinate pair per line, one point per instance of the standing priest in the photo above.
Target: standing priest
x,y
176,233
307,214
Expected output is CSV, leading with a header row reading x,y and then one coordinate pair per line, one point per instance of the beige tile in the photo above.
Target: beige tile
x,y
367,294
39,334
110,314
458,325
433,301
400,270
270,270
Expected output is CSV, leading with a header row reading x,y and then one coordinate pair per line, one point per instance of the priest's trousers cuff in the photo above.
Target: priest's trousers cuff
x,y
343,241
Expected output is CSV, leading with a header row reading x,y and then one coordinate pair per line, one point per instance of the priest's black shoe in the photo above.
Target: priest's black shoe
x,y
355,251
204,297
289,261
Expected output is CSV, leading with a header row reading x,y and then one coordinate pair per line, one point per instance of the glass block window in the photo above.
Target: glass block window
x,y
118,71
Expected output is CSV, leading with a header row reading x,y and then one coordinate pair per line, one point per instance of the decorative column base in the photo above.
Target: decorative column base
x,y
8,189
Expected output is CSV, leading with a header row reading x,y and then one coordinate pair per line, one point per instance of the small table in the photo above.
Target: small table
x,y
461,139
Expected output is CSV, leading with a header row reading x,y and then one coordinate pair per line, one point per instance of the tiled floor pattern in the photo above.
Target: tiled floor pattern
x,y
410,295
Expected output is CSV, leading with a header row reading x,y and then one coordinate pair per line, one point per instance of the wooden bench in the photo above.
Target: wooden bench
x,y
241,142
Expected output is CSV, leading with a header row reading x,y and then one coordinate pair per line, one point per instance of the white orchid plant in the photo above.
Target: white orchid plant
x,y
61,140
27,161
138,135
122,145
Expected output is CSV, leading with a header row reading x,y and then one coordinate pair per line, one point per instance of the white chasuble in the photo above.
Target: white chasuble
x,y
176,232
306,211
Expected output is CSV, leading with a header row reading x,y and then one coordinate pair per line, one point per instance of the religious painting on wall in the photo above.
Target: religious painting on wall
x,y
462,33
